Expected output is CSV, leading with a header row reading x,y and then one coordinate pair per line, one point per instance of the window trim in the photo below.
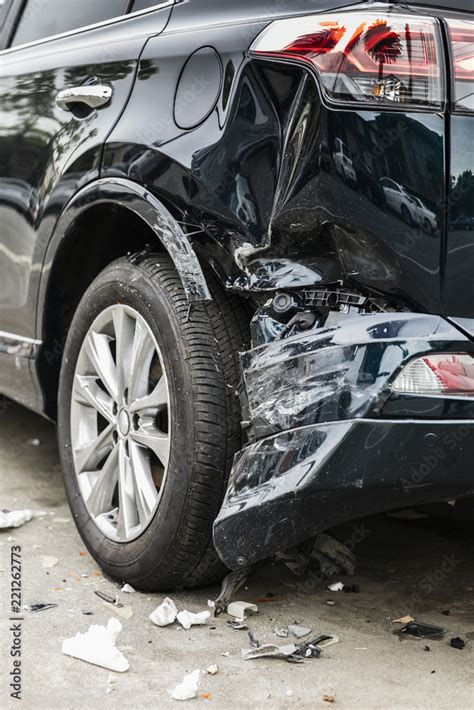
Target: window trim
x,y
86,28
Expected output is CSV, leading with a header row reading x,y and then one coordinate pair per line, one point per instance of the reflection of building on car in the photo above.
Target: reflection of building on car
x,y
343,161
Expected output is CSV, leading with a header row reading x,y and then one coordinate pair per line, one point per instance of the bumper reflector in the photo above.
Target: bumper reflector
x,y
450,374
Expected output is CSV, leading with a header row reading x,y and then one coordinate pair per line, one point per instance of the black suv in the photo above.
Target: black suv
x,y
232,268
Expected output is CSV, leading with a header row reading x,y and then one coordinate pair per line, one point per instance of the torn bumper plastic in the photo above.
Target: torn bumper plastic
x,y
326,451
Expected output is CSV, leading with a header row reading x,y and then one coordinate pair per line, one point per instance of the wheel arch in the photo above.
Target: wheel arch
x,y
107,219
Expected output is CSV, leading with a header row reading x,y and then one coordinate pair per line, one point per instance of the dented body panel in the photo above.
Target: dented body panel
x,y
327,448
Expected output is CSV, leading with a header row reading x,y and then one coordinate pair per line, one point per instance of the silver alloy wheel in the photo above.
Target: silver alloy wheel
x,y
120,423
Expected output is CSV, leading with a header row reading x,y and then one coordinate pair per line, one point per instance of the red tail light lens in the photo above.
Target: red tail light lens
x,y
461,34
369,58
438,374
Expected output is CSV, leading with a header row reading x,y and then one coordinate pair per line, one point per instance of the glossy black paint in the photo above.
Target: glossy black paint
x,y
458,291
289,487
237,162
340,371
47,155
264,173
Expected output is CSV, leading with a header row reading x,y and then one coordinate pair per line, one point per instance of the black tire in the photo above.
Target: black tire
x,y
427,226
406,216
200,349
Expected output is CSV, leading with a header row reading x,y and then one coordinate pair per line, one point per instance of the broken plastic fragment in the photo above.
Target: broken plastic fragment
x,y
165,614
253,641
128,589
332,556
107,597
282,633
299,631
48,561
323,640
97,646
230,585
188,688
237,624
239,609
335,587
188,619
39,607
14,518
421,631
269,650
212,670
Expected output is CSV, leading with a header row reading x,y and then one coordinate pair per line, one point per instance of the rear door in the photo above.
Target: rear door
x,y
65,77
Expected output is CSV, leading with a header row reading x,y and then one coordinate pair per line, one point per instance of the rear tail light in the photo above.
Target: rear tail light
x,y
461,34
365,57
440,374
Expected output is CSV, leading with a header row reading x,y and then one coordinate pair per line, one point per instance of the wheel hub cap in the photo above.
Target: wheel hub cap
x,y
123,423
120,423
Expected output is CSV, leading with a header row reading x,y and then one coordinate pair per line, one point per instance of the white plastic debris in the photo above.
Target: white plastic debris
x,y
335,587
211,604
212,670
239,609
127,589
125,612
299,631
282,633
188,688
14,518
165,613
269,650
188,619
97,646
48,561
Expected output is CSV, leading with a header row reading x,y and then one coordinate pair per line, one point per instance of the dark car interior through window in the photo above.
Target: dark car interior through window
x,y
45,18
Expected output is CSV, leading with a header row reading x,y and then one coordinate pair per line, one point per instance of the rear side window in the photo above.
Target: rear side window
x,y
45,18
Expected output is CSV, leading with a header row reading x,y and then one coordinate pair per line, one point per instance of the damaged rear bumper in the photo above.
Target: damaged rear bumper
x,y
333,442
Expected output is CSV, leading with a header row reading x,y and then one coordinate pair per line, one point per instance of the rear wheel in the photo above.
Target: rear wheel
x,y
406,215
149,421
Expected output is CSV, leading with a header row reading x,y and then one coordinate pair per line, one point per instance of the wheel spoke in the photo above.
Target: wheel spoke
x,y
100,498
146,495
127,513
100,356
149,436
120,451
89,455
124,332
88,393
140,362
155,399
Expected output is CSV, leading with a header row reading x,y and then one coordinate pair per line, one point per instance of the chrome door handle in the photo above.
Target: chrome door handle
x,y
93,96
